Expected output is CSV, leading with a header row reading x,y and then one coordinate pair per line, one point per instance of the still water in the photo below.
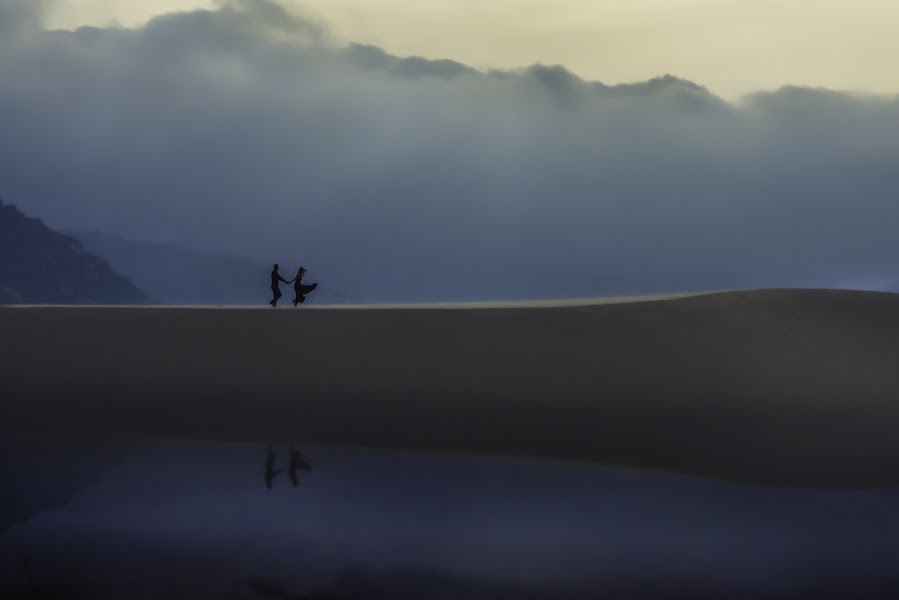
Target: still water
x,y
110,519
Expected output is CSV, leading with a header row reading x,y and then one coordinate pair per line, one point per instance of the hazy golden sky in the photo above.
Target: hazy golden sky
x,y
731,46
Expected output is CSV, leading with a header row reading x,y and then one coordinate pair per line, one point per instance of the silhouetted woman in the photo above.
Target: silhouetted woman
x,y
300,289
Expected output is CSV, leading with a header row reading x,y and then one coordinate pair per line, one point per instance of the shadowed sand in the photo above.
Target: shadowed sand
x,y
794,387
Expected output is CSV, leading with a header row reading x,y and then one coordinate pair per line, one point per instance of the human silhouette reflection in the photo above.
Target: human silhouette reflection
x,y
297,462
270,471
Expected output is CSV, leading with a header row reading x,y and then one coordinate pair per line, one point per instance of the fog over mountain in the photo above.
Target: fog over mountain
x,y
41,266
246,131
172,274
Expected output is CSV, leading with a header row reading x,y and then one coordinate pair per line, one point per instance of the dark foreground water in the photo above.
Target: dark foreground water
x,y
110,520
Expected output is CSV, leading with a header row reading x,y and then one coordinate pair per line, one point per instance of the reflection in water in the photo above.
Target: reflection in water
x,y
192,517
270,471
297,462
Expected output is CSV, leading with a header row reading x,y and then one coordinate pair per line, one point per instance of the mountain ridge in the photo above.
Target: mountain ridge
x,y
39,265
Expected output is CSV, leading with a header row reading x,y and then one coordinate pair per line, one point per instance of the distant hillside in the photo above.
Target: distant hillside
x,y
41,266
177,275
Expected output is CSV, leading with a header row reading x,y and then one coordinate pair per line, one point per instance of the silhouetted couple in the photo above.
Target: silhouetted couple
x,y
300,289
296,463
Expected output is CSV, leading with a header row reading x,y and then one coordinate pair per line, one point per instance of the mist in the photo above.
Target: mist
x,y
246,130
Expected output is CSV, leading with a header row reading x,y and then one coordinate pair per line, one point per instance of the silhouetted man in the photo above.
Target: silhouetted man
x,y
296,462
270,471
276,289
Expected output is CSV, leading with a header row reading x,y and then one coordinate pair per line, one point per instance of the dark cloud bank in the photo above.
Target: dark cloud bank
x,y
244,130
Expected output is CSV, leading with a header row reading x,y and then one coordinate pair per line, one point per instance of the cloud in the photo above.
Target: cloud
x,y
19,16
244,129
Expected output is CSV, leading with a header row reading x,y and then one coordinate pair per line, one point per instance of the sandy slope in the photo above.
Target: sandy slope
x,y
796,387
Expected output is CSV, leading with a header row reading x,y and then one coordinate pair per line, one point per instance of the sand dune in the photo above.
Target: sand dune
x,y
794,387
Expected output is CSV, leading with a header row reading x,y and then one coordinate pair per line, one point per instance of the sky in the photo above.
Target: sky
x,y
732,46
255,129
